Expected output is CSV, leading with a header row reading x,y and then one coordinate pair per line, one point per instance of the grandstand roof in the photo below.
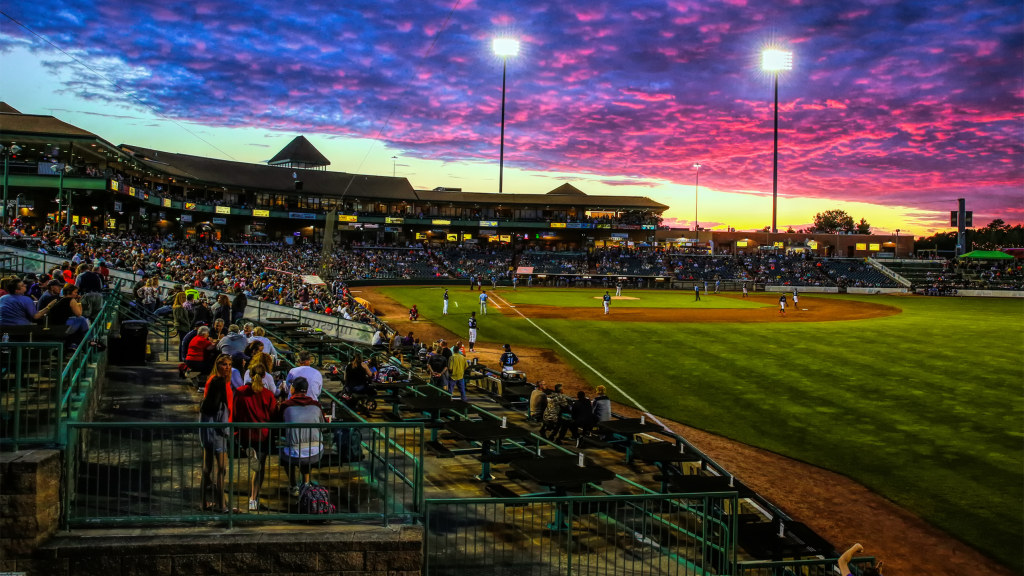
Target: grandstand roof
x,y
13,122
261,177
299,153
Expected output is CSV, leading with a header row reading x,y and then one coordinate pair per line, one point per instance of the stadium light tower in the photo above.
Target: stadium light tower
x,y
505,48
775,61
696,192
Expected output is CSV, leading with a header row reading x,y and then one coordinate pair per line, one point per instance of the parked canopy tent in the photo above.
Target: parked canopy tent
x,y
987,255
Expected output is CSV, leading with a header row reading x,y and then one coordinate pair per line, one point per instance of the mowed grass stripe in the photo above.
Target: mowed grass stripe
x,y
924,407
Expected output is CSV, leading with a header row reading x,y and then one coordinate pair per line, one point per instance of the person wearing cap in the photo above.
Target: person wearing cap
x,y
53,288
304,446
508,360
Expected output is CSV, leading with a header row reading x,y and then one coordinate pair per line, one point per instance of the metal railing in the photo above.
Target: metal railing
x,y
87,355
41,386
671,534
153,473
32,388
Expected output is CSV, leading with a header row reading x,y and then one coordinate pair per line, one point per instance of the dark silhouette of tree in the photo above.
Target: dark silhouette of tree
x,y
832,221
863,227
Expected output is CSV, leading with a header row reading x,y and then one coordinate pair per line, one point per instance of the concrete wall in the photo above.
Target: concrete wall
x,y
30,499
315,549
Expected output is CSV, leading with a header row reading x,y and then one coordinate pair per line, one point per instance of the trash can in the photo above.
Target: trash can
x,y
130,347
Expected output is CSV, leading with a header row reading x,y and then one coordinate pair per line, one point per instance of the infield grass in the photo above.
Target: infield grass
x,y
925,407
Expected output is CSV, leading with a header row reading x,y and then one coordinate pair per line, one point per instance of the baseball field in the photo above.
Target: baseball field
x,y
919,399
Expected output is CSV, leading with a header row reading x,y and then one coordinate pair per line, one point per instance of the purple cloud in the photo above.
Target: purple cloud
x,y
897,104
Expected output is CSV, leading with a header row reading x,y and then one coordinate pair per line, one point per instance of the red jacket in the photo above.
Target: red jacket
x,y
252,406
197,349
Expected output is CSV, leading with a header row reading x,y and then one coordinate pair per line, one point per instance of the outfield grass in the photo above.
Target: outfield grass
x,y
924,407
580,298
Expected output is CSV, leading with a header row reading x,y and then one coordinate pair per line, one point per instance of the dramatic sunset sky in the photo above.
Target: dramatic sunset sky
x,y
892,111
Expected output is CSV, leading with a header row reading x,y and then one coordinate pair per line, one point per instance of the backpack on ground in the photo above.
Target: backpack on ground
x,y
315,499
349,444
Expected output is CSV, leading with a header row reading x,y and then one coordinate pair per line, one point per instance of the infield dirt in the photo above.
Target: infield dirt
x,y
841,510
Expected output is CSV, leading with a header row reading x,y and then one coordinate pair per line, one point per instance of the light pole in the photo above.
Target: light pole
x,y
60,170
897,250
7,152
503,47
775,61
696,192
394,165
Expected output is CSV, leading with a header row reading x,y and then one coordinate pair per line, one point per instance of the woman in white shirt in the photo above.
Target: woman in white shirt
x,y
262,359
260,335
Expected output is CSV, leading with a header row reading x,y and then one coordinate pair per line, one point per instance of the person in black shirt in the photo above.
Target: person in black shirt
x,y
238,305
508,359
68,312
88,281
472,331
52,293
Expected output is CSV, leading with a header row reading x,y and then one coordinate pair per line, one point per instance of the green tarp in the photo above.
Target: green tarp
x,y
987,255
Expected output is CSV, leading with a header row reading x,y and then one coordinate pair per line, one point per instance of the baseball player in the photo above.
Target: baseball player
x,y
483,302
472,331
444,310
696,292
796,300
782,305
606,301
745,295
618,288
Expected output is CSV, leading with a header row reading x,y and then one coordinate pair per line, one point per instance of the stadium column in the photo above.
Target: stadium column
x,y
328,245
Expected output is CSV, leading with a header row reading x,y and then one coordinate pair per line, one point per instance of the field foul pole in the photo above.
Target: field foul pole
x,y
632,401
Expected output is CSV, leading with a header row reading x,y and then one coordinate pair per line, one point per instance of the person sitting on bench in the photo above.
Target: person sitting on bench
x,y
68,311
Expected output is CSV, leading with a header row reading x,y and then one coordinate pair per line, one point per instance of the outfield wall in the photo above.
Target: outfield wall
x,y
804,289
854,290
992,293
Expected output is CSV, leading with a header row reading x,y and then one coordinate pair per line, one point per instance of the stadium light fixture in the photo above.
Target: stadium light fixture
x,y
774,61
505,48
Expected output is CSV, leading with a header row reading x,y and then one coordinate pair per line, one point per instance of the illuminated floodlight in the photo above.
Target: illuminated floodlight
x,y
506,47
773,60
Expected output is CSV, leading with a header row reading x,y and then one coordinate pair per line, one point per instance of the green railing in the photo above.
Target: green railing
x,y
152,473
41,386
671,534
812,567
32,388
82,364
